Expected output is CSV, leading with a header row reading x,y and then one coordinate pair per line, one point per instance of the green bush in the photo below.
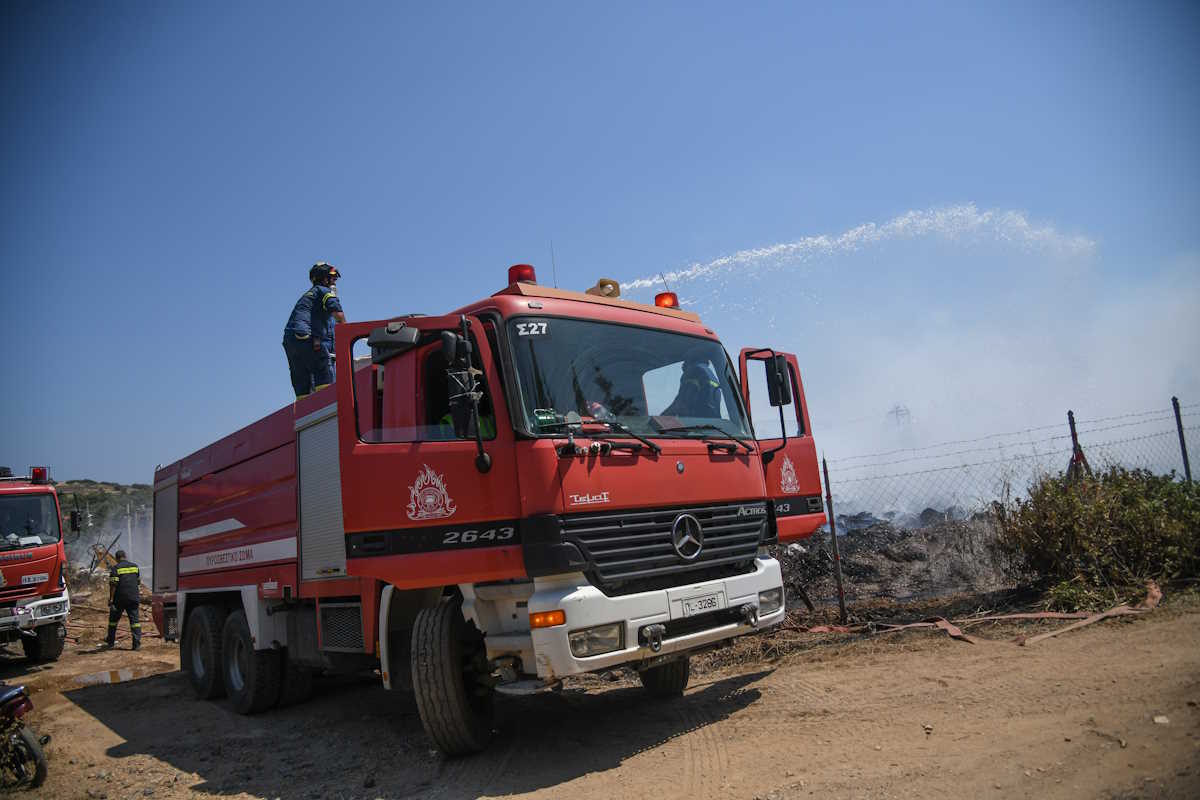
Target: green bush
x,y
1096,538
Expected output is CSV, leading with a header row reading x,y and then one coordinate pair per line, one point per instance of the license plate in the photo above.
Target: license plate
x,y
701,605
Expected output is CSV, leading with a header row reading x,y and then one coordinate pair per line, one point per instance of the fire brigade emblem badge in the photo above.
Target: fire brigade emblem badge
x,y
428,498
787,477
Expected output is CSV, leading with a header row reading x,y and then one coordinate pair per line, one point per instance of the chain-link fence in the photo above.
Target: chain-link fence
x,y
917,522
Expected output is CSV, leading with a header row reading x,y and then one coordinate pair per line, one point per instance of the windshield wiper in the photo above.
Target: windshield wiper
x,y
571,424
623,428
709,427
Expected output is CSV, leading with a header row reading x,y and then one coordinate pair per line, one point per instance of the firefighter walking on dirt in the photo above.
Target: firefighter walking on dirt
x,y
123,581
308,335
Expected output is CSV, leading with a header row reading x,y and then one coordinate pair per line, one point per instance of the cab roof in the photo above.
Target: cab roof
x,y
535,290
21,484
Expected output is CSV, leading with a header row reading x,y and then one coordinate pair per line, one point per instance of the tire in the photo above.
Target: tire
x,y
252,677
47,645
669,679
200,655
296,683
25,763
448,667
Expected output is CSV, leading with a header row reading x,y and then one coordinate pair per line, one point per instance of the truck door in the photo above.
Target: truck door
x,y
789,454
420,505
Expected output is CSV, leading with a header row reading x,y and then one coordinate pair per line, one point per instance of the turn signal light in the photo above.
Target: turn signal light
x,y
547,619
666,300
521,273
39,474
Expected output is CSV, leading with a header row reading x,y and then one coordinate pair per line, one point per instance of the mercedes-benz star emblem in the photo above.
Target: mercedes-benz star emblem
x,y
687,537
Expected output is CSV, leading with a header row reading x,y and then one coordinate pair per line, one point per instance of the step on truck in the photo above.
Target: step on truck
x,y
541,484
34,600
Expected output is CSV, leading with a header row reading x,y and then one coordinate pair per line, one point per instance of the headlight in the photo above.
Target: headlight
x,y
770,601
50,609
597,640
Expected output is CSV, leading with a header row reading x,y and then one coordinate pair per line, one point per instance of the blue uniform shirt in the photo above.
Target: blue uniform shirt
x,y
313,315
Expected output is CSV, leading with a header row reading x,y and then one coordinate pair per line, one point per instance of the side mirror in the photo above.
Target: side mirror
x,y
391,340
450,341
455,347
779,384
74,523
456,351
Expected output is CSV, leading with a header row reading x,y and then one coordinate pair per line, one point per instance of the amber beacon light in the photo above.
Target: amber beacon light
x,y
666,300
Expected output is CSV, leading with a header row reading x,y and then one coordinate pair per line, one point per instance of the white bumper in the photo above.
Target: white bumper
x,y
30,614
585,606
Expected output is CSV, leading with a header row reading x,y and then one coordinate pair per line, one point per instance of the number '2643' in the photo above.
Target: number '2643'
x,y
472,536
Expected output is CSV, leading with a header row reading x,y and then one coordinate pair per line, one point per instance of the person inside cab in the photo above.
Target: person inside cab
x,y
308,335
699,392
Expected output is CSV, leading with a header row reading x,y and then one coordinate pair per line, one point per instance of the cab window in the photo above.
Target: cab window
x,y
765,416
407,397
28,520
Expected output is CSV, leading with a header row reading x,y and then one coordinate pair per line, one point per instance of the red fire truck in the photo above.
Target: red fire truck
x,y
540,484
34,601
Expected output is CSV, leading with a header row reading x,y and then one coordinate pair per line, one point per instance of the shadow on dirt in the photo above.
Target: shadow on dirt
x,y
354,739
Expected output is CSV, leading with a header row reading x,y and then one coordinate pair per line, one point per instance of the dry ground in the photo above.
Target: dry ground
x,y
833,717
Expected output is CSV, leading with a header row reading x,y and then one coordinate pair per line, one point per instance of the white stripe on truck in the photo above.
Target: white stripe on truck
x,y
242,556
211,529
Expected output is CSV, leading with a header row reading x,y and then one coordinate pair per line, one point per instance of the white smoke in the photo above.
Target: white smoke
x,y
973,323
959,223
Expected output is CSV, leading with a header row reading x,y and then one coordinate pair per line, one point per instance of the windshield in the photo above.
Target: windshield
x,y
27,520
650,381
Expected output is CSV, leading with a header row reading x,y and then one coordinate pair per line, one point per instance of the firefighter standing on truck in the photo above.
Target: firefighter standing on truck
x,y
308,335
123,581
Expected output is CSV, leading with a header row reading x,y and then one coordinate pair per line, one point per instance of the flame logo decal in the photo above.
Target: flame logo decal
x,y
428,498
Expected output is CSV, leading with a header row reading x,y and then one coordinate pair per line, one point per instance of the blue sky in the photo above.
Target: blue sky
x,y
170,171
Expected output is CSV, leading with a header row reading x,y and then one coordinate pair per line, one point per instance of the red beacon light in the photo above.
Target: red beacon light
x,y
666,300
39,474
521,273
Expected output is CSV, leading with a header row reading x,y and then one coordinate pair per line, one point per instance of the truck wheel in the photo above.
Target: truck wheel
x,y
47,645
201,652
296,683
669,679
251,676
449,672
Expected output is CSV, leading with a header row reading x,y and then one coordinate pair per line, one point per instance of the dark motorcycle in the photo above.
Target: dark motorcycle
x,y
22,762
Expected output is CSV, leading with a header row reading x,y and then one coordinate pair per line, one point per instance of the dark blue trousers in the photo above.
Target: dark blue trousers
x,y
310,369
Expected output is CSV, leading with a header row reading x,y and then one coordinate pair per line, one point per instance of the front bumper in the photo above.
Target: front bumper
x,y
30,614
586,606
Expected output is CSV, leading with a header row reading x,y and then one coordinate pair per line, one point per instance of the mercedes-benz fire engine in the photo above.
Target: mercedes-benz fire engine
x,y
34,601
541,484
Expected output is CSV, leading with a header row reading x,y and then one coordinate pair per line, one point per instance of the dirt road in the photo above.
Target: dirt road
x,y
906,715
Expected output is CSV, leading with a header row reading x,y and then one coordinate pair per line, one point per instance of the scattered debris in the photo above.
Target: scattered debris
x,y
1161,720
1153,597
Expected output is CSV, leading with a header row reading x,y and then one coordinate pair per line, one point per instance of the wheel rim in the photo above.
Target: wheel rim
x,y
198,656
237,666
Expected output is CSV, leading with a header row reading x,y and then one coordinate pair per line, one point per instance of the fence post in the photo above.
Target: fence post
x,y
1079,463
1187,466
837,559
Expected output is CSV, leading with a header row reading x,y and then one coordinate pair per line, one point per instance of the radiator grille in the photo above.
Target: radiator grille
x,y
18,593
341,627
631,551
